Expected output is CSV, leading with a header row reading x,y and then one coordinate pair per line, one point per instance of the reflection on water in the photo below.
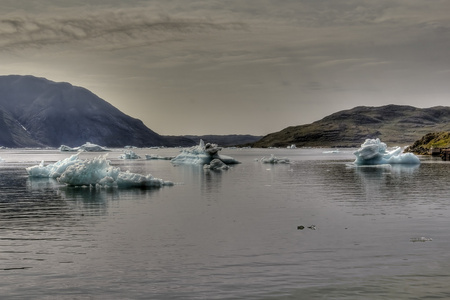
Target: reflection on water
x,y
41,184
211,181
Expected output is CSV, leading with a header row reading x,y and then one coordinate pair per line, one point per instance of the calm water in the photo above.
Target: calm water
x,y
230,234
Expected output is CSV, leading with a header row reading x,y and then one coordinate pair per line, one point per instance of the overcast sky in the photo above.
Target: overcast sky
x,y
234,66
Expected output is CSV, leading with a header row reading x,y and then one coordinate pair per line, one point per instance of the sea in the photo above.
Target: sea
x,y
317,228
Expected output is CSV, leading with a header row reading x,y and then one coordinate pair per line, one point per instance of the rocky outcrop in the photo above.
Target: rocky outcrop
x,y
430,141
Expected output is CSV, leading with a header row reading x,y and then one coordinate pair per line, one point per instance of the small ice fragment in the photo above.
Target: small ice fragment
x,y
202,154
129,154
155,156
275,160
421,239
87,147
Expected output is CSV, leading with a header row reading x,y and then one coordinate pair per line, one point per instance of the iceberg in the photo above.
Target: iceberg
x,y
202,154
52,170
129,155
275,160
99,172
88,147
374,152
94,172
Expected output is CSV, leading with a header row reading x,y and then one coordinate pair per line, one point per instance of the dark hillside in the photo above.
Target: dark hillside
x,y
38,112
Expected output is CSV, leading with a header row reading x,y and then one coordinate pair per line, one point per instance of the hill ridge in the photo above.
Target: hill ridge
x,y
398,124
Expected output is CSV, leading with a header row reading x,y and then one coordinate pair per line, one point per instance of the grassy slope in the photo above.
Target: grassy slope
x,y
430,140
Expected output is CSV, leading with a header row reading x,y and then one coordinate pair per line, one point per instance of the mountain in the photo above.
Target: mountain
x,y
393,124
36,112
225,140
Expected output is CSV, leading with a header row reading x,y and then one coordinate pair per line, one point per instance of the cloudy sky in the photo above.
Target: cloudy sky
x,y
234,66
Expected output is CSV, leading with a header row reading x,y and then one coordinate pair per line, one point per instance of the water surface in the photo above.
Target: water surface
x,y
228,235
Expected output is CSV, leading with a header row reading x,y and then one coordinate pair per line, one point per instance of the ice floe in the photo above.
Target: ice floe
x,y
88,147
94,172
421,239
275,160
331,151
202,154
155,157
374,152
129,154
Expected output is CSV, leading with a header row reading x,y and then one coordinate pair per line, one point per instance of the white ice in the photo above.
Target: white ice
x,y
331,151
275,160
374,152
94,172
52,170
129,154
88,147
202,154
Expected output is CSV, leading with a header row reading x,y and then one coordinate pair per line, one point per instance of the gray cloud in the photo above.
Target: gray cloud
x,y
287,61
111,30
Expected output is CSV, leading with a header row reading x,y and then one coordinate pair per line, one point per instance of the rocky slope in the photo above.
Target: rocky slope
x,y
393,124
38,112
429,141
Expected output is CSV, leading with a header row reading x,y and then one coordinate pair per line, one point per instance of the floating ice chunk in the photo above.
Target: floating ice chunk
x,y
88,147
154,156
202,154
89,172
64,148
129,155
374,152
216,164
129,180
421,239
331,151
52,170
1,160
275,160
99,172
